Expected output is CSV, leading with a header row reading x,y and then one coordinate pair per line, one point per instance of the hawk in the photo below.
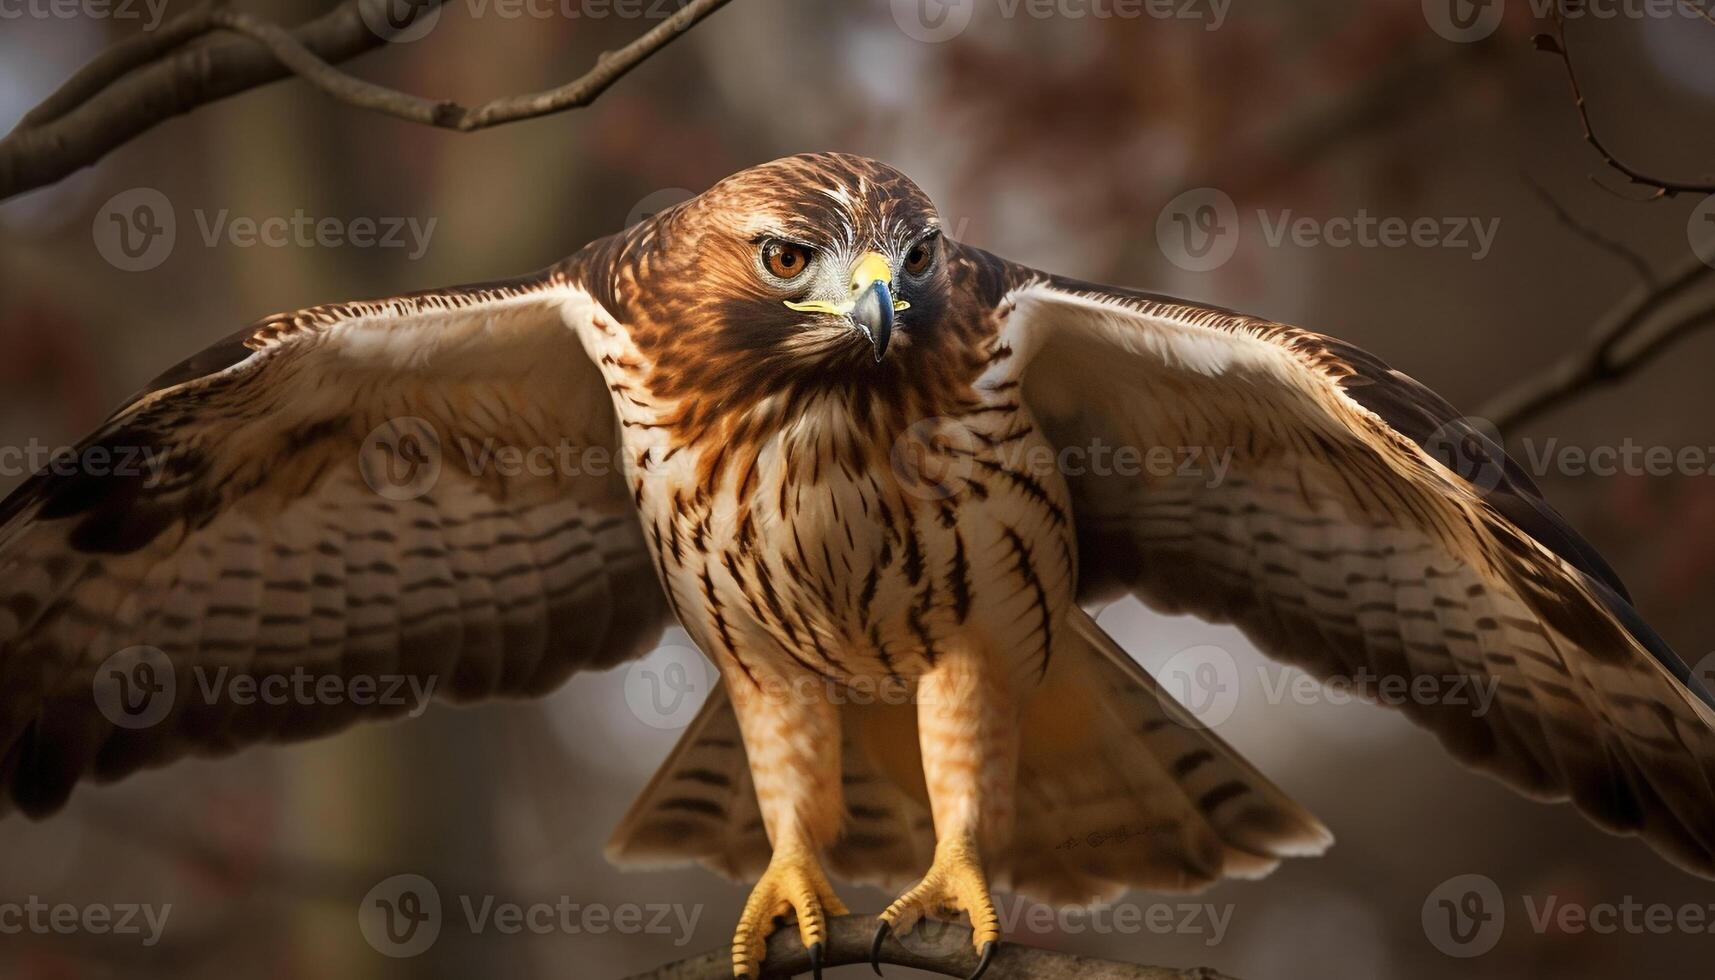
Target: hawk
x,y
836,443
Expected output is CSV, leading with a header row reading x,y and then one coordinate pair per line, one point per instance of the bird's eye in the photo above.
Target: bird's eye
x,y
785,260
917,260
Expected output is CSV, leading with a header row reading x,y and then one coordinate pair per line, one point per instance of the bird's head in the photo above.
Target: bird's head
x,y
810,275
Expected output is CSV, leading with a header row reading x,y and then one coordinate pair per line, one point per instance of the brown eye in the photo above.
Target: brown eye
x,y
785,260
921,255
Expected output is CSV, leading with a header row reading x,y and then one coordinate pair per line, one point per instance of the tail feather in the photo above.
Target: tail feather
x,y
1118,786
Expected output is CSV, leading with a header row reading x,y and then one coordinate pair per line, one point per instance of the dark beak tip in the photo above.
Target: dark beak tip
x,y
873,314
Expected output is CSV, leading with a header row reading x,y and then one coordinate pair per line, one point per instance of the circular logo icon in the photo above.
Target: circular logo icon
x,y
934,458
1464,916
399,21
1205,679
1472,448
1700,230
1463,21
1198,231
665,689
933,21
401,916
400,459
656,202
135,687
135,230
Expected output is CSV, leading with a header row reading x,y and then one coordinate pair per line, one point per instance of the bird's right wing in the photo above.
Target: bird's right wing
x,y
361,505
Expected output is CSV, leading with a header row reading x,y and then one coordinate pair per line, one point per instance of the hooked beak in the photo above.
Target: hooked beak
x,y
872,300
871,306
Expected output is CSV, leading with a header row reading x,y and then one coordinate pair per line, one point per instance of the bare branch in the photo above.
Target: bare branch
x,y
609,68
1600,360
1556,44
948,952
149,79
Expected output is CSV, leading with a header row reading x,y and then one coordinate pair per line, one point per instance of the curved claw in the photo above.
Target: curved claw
x,y
881,932
983,963
816,960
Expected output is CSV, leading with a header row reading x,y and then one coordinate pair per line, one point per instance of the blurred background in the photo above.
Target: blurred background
x,y
1056,134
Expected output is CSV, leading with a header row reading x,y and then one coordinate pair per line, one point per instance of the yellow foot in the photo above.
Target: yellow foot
x,y
793,884
955,883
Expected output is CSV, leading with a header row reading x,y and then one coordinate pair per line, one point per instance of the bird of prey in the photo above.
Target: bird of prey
x,y
835,437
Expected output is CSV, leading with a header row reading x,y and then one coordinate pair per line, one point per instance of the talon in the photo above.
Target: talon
x,y
983,963
881,932
816,960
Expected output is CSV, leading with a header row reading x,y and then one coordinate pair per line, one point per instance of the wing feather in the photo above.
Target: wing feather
x,y
1364,532
270,542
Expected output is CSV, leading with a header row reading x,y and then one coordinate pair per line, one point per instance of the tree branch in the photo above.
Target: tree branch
x,y
1599,360
609,68
153,77
948,952
1556,44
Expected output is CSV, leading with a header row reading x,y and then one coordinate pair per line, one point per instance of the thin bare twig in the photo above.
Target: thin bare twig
x,y
609,68
1600,361
1582,229
946,952
1556,44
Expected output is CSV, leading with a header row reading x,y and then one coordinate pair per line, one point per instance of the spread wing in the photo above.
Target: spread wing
x,y
355,504
1351,523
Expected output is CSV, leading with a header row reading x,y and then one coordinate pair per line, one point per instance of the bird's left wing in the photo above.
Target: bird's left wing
x,y
1352,523
333,515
